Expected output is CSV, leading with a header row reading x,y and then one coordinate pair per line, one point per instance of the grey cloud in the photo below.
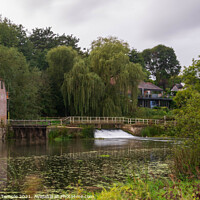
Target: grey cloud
x,y
142,23
81,11
33,6
169,17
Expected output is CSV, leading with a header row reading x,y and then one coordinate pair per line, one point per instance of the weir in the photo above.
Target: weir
x,y
40,128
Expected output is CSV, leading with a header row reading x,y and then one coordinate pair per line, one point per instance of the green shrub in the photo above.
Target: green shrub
x,y
156,113
59,133
171,130
87,132
53,134
159,130
139,188
152,131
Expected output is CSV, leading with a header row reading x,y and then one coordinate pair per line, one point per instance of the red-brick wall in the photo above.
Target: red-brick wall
x,y
3,102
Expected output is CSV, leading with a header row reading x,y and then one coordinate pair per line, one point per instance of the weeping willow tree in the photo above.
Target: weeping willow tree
x,y
109,60
100,86
82,90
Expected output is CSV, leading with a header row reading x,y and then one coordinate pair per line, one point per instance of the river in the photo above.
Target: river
x,y
113,155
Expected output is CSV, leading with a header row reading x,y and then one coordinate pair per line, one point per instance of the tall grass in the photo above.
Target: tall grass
x,y
186,161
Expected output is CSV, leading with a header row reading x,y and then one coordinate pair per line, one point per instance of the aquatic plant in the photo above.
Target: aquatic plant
x,y
104,156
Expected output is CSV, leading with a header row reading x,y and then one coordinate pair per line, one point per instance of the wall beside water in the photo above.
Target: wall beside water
x,y
136,131
3,103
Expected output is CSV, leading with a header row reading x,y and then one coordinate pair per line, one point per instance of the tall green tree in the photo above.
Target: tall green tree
x,y
45,39
82,90
136,57
12,35
61,60
110,61
188,116
188,102
191,78
21,84
8,33
191,75
162,63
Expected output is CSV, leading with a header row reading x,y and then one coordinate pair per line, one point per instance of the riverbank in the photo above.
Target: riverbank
x,y
149,187
141,188
152,189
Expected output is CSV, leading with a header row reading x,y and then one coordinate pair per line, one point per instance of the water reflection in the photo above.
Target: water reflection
x,y
3,164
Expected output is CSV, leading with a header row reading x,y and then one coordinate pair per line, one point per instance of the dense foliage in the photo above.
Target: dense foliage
x,y
61,79
188,102
20,82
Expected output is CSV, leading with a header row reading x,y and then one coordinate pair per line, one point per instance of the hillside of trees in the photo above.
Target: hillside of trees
x,y
48,74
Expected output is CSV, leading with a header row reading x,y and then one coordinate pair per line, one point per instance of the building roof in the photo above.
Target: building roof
x,y
177,87
149,86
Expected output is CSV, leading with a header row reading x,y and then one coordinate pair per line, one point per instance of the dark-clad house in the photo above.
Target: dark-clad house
x,y
151,95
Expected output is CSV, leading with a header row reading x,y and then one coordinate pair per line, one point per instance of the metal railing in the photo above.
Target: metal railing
x,y
46,122
115,120
90,120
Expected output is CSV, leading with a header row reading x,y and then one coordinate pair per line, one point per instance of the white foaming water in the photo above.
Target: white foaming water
x,y
112,134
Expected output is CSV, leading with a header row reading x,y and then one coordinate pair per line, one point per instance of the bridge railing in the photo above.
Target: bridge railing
x,y
49,122
90,120
114,120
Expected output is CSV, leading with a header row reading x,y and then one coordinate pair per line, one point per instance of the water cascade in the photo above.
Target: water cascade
x,y
112,134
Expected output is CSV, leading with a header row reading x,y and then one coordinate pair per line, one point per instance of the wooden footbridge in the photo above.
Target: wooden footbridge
x,y
80,120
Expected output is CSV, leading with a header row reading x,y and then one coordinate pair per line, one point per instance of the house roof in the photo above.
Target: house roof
x,y
149,86
177,87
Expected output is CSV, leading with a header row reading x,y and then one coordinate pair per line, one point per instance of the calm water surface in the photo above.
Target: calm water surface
x,y
89,163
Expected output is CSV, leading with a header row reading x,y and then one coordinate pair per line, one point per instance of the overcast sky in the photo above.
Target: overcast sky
x,y
142,23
